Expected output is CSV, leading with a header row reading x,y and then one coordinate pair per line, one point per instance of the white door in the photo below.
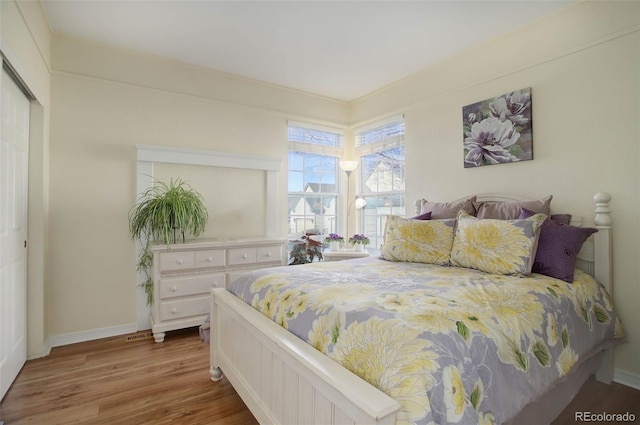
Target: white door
x,y
14,154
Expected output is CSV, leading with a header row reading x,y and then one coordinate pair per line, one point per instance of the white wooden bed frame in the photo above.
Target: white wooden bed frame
x,y
283,380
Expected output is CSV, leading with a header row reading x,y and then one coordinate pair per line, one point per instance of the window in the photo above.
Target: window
x,y
314,154
380,148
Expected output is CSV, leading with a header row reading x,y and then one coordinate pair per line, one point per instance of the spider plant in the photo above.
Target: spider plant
x,y
163,210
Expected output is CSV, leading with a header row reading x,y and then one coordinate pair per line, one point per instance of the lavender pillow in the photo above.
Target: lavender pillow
x,y
423,216
558,247
443,210
511,210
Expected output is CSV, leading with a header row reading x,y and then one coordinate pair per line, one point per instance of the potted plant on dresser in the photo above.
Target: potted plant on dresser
x,y
164,214
359,241
305,250
334,240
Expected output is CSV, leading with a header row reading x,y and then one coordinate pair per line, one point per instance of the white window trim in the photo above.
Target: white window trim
x,y
318,127
379,123
390,143
316,149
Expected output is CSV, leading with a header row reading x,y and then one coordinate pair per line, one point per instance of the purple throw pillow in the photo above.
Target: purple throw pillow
x,y
423,216
558,247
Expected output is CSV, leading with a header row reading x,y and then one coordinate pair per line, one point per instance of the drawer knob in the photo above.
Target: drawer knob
x,y
209,260
214,284
268,254
245,256
174,310
179,261
174,289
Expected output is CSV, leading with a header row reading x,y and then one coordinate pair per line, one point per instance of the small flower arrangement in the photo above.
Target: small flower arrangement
x,y
333,237
359,239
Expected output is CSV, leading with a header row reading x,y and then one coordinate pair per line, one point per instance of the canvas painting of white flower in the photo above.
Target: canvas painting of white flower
x,y
498,130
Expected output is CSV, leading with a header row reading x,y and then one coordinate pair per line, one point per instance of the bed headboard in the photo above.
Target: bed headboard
x,y
595,256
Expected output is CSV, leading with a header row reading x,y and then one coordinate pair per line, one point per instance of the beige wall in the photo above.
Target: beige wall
x,y
235,198
105,101
26,45
584,73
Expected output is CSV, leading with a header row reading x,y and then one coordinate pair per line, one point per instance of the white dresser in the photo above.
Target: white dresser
x,y
184,274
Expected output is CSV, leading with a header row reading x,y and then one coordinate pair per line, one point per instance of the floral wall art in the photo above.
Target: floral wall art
x,y
498,130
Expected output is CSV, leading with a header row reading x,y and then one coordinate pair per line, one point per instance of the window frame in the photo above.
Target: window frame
x,y
363,149
309,147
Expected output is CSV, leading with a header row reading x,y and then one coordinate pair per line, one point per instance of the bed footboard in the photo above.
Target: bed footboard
x,y
283,380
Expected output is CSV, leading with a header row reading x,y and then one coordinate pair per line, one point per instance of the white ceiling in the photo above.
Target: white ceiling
x,y
339,49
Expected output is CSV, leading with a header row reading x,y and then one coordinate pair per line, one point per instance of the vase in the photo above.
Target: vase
x,y
334,246
358,247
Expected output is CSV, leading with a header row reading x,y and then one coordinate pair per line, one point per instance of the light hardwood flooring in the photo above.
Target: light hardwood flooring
x,y
112,382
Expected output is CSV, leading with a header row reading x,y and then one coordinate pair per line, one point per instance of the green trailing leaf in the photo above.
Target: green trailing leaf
x,y
552,292
541,351
601,314
164,208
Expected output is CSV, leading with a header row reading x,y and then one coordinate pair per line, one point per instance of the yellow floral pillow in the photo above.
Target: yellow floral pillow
x,y
418,241
496,246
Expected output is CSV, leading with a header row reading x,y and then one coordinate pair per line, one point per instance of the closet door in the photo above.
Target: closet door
x,y
14,154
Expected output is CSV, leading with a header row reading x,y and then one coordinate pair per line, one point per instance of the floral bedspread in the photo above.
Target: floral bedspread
x,y
451,345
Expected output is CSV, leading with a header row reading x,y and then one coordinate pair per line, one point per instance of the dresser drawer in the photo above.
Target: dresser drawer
x,y
185,273
178,309
238,256
190,285
179,260
266,254
209,258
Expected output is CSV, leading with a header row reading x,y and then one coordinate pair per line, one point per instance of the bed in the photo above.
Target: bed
x,y
394,340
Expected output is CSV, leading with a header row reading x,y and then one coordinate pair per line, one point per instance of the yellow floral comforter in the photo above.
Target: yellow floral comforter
x,y
451,345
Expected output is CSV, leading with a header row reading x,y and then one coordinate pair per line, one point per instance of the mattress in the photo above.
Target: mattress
x,y
450,344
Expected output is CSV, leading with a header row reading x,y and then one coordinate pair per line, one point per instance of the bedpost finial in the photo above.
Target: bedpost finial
x,y
602,197
603,213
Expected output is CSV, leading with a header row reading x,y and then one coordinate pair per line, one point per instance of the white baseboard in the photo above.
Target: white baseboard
x,y
626,378
46,351
72,338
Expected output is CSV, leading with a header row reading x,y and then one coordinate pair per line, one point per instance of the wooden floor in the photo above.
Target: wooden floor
x,y
111,381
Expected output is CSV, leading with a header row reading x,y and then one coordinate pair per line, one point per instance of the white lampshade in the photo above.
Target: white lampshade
x,y
348,166
360,203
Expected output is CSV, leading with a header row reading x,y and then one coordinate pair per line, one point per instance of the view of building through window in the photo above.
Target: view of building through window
x,y
313,180
313,183
382,178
